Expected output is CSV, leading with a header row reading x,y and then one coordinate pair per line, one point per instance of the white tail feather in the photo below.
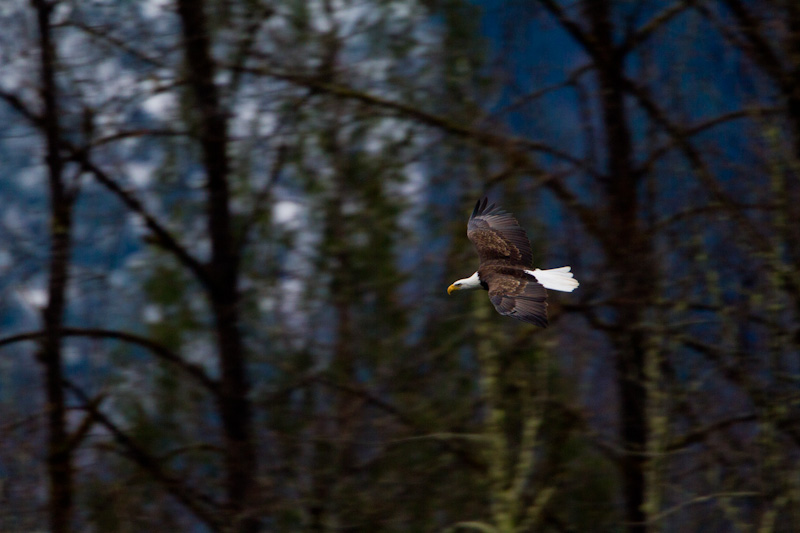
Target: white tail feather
x,y
557,279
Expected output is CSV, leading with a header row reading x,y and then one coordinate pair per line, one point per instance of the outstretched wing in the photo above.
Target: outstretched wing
x,y
520,297
497,235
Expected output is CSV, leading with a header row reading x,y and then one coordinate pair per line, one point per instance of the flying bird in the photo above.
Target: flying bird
x,y
515,288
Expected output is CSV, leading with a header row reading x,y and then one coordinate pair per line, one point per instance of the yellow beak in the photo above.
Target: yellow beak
x,y
451,288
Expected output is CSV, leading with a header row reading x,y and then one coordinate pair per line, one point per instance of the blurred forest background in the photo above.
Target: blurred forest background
x,y
227,227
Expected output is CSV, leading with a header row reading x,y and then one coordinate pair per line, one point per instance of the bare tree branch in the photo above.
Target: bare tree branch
x,y
161,235
759,47
581,36
690,131
655,23
80,155
415,112
374,400
160,351
201,505
79,434
103,34
700,434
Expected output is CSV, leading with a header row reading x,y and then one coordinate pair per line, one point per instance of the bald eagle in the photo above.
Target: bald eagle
x,y
505,270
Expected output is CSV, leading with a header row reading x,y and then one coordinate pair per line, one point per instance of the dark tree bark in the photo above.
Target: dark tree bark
x,y
625,257
623,240
235,409
59,456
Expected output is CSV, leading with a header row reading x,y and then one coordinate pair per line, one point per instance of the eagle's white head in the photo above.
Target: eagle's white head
x,y
472,282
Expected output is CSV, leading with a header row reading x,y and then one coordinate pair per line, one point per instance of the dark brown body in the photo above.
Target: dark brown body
x,y
514,292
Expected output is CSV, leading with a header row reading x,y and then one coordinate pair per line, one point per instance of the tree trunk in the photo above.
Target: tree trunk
x,y
235,408
59,456
626,260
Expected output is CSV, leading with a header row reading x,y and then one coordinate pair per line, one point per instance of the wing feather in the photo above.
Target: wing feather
x,y
497,235
517,296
